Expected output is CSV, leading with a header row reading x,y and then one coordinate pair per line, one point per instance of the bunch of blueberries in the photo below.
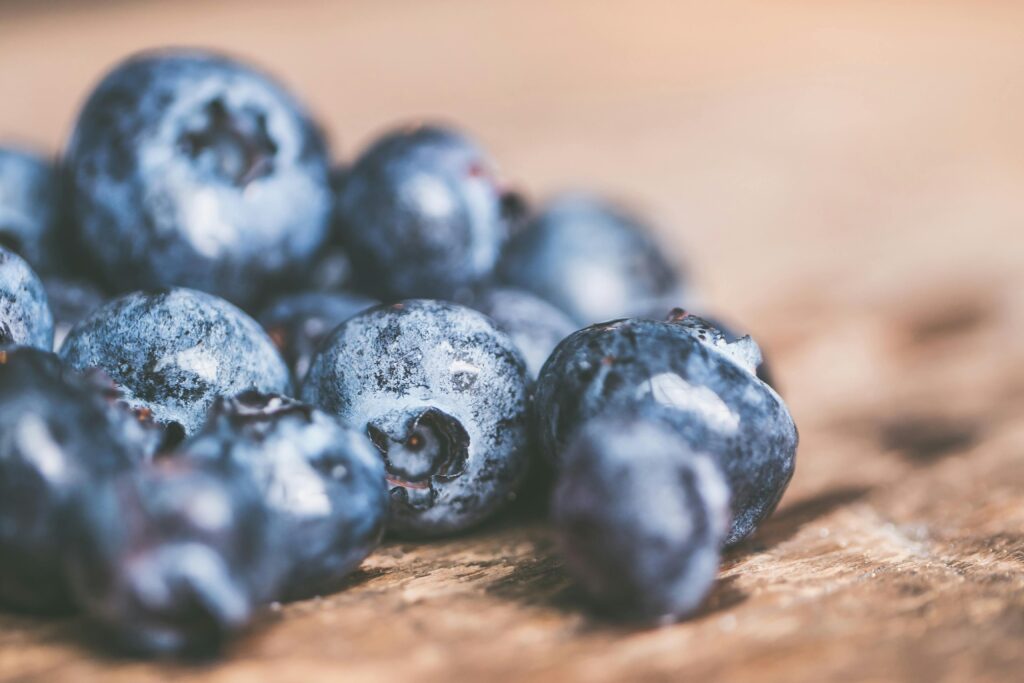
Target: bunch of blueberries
x,y
168,464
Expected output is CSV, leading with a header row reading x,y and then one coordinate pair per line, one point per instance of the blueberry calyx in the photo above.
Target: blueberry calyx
x,y
434,445
236,144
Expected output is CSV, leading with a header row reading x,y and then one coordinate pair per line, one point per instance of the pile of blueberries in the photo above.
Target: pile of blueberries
x,y
168,464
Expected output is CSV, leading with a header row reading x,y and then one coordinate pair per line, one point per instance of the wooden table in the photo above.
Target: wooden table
x,y
846,178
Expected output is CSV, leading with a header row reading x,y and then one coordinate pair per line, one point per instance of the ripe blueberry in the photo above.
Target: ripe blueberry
x,y
421,214
25,317
442,394
591,259
323,483
640,517
30,208
705,389
173,352
190,168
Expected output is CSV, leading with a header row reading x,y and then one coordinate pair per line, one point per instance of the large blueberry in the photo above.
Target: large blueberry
x,y
704,387
421,214
299,322
190,168
640,517
442,394
174,352
25,317
30,208
171,558
55,439
324,484
591,259
534,325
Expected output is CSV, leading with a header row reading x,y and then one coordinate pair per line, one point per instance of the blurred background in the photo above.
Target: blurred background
x,y
845,178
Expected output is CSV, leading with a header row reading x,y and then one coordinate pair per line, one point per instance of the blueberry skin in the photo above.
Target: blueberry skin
x,y
704,388
534,325
442,394
173,352
298,323
25,317
324,484
55,440
71,301
640,518
592,260
172,558
421,215
30,208
190,168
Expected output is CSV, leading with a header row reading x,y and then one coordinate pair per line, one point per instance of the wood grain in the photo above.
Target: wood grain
x,y
845,178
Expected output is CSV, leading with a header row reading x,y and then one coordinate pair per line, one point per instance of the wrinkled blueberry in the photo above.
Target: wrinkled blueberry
x,y
30,208
190,168
298,323
534,325
25,317
591,259
442,394
173,352
172,558
421,215
640,517
54,440
70,301
675,370
324,484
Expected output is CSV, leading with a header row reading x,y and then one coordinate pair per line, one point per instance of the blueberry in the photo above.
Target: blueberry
x,y
299,322
173,352
422,215
172,558
190,168
591,259
640,517
324,484
704,388
25,317
55,440
442,394
71,300
534,325
30,208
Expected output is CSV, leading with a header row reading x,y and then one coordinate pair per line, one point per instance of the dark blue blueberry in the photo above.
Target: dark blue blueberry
x,y
422,215
442,394
534,325
25,317
640,517
189,168
324,484
55,440
679,372
174,352
299,322
172,558
70,301
30,208
591,259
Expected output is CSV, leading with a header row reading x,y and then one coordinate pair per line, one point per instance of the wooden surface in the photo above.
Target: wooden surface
x,y
847,178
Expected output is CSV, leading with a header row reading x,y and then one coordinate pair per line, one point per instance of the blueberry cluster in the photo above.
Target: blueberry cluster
x,y
169,465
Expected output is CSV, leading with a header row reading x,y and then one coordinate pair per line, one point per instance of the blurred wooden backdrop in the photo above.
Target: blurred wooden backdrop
x,y
846,178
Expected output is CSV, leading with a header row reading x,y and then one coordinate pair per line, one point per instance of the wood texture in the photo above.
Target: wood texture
x,y
845,179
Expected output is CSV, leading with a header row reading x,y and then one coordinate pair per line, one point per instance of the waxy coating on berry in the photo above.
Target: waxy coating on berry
x,y
323,483
174,352
640,518
707,393
442,394
190,168
25,316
